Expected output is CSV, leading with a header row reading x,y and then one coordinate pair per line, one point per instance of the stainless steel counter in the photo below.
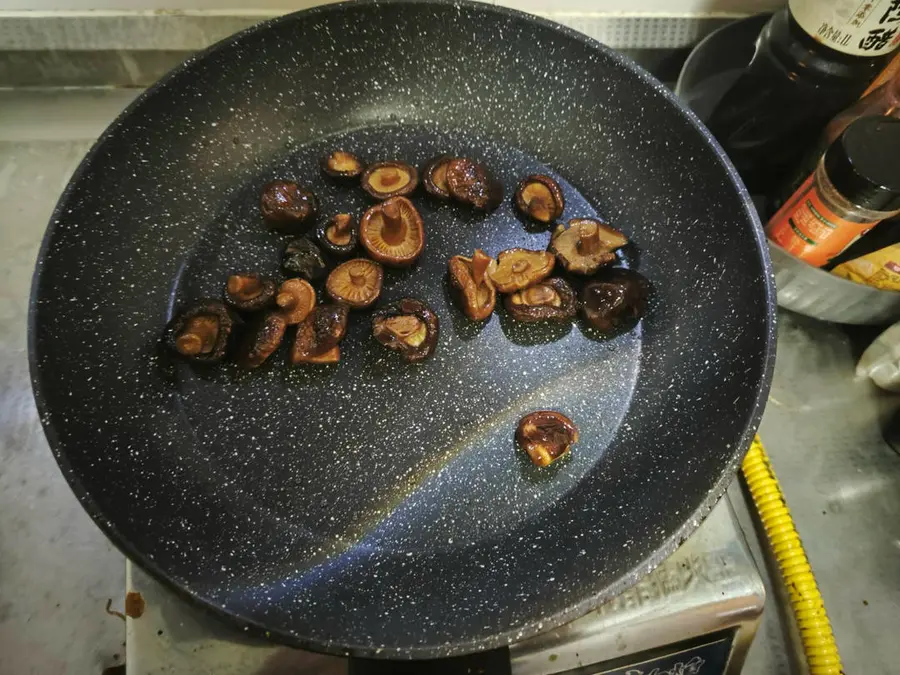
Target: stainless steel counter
x,y
822,429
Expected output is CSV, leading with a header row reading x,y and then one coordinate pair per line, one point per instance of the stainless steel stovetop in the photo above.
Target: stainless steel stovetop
x,y
696,614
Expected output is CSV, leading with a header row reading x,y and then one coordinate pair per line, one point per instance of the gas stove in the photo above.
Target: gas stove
x,y
696,614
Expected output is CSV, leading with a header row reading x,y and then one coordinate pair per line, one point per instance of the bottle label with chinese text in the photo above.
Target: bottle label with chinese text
x,y
860,28
807,228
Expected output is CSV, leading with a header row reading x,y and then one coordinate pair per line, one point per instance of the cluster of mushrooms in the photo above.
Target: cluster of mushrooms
x,y
611,299
252,319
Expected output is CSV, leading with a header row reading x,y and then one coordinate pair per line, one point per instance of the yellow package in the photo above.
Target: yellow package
x,y
880,269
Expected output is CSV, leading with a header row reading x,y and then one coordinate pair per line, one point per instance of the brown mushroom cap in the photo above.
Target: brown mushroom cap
x,y
615,300
319,334
287,207
262,339
408,326
384,180
518,268
341,164
471,183
585,245
201,333
392,232
356,282
549,300
546,436
541,198
472,285
434,177
248,291
295,299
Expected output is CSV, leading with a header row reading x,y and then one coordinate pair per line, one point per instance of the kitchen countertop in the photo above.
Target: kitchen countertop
x,y
821,427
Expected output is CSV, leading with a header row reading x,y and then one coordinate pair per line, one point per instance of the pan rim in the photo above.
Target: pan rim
x,y
514,634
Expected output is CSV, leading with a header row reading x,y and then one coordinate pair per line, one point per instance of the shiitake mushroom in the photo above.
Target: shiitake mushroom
x,y
392,232
261,339
356,282
295,300
384,180
548,300
472,287
249,292
541,198
201,333
409,327
339,235
518,268
546,435
471,183
320,333
615,300
434,177
287,207
585,245
341,164
303,258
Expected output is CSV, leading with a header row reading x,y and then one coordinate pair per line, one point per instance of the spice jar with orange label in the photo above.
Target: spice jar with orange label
x,y
855,185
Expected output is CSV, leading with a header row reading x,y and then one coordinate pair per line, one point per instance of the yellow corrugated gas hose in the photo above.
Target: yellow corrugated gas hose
x,y
809,609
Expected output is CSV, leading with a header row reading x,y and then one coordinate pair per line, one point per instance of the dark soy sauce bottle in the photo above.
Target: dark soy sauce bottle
x,y
812,60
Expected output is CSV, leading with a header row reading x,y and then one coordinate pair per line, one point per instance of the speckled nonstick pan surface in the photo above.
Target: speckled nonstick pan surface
x,y
377,508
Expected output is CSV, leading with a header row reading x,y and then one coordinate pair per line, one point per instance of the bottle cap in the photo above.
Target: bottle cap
x,y
863,165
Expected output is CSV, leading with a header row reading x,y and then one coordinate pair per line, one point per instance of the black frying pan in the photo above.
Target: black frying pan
x,y
377,508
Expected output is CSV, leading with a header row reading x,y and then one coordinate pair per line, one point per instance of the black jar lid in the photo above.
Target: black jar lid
x,y
864,163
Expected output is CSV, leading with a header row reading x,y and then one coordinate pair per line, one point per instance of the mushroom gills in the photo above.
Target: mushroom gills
x,y
356,282
392,232
546,435
540,197
201,332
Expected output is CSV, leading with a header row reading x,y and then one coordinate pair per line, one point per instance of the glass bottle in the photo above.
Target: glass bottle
x,y
812,60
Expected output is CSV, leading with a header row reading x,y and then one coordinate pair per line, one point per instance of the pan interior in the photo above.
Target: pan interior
x,y
408,457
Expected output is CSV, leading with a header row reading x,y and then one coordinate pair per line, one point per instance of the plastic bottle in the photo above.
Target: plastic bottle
x,y
812,60
855,185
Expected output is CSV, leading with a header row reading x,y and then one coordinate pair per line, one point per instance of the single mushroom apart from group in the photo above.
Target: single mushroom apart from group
x,y
471,284
585,245
546,436
201,333
392,232
356,282
340,164
261,339
518,268
295,300
409,327
390,179
541,198
615,300
319,335
472,183
549,300
287,207
249,292
339,235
